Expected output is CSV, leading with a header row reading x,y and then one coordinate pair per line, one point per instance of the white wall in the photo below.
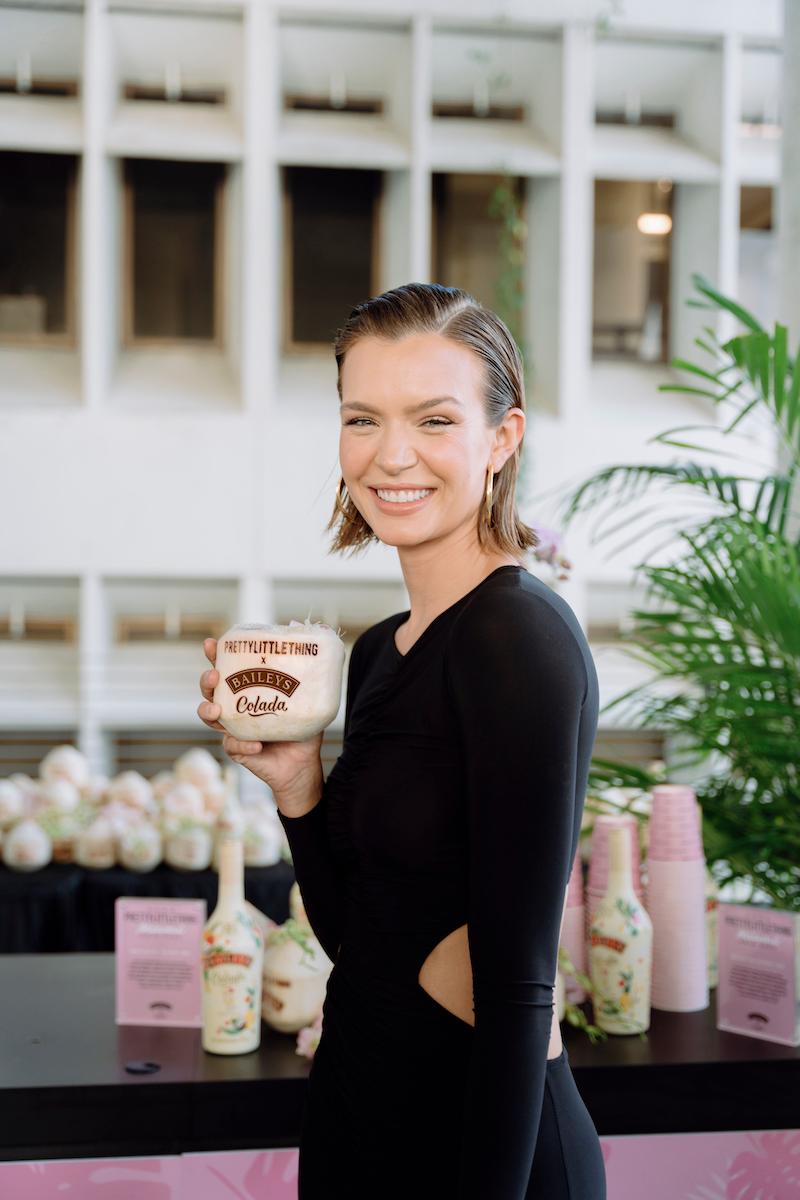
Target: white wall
x,y
223,464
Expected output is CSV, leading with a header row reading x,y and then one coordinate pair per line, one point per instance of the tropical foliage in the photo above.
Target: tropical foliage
x,y
721,634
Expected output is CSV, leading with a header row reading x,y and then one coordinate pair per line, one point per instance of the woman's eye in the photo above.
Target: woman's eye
x,y
434,420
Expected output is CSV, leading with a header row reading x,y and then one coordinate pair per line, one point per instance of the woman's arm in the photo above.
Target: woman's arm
x,y
307,835
524,694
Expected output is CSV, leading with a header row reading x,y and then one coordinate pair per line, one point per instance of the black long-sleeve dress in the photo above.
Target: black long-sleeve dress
x,y
457,798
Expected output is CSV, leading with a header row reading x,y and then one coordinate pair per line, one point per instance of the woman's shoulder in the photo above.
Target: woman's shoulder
x,y
517,615
519,596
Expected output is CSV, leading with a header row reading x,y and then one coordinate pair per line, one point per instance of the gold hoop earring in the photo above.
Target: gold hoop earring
x,y
487,508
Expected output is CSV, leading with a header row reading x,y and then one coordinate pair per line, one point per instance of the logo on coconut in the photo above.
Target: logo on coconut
x,y
259,706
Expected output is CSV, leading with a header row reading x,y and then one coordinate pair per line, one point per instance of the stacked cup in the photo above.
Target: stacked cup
x,y
572,935
598,862
676,901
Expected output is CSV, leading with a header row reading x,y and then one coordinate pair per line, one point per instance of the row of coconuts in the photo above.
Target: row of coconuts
x,y
179,816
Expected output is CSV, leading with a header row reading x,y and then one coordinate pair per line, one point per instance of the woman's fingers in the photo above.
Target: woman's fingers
x,y
208,714
208,681
232,745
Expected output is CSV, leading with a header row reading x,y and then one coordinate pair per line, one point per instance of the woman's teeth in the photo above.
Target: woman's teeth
x,y
403,497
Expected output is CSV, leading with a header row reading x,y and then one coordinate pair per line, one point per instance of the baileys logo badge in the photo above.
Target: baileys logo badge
x,y
257,705
262,677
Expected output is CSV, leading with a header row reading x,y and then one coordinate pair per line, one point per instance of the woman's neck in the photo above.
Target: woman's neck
x,y
438,579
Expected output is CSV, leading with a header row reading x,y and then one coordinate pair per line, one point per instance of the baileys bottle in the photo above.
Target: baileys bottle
x,y
232,962
620,948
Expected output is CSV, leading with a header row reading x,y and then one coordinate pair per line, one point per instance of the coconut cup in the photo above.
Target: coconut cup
x,y
295,977
279,683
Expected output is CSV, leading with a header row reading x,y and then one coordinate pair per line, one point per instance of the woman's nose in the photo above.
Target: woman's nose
x,y
395,451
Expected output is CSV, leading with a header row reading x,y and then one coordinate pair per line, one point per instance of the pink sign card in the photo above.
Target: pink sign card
x,y
759,972
158,975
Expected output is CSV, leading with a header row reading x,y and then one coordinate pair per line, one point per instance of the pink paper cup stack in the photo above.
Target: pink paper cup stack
x,y
676,901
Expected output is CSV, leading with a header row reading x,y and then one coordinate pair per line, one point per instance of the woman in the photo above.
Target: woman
x,y
441,844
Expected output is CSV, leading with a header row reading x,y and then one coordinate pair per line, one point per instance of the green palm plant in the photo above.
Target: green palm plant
x,y
722,640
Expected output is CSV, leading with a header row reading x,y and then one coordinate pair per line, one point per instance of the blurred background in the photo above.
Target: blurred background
x,y
192,197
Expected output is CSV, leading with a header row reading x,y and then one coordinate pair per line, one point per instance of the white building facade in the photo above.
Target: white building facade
x,y
168,408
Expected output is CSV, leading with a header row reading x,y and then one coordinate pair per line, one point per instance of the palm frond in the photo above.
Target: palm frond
x,y
719,644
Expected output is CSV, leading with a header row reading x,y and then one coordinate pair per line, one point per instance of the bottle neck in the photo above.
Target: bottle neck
x,y
231,875
620,880
620,875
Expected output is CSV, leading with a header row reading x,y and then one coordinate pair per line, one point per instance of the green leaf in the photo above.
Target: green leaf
x,y
726,303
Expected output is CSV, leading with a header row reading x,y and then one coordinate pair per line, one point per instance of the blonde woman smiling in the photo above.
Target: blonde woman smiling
x,y
434,860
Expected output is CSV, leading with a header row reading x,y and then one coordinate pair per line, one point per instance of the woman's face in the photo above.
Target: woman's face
x,y
412,417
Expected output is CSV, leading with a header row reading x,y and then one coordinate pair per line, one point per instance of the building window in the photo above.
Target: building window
x,y
642,748
37,248
149,751
466,232
173,94
173,627
174,244
331,263
38,87
632,249
22,750
755,208
21,627
636,117
309,102
758,253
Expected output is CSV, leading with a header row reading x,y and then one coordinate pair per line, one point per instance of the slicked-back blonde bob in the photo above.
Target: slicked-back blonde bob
x,y
455,314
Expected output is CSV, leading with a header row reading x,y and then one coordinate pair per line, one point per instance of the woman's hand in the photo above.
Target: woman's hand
x,y
293,770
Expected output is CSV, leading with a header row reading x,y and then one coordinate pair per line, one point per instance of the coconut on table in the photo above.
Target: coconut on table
x,y
279,683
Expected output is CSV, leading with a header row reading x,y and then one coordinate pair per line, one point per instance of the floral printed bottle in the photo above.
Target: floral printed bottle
x,y
232,960
621,947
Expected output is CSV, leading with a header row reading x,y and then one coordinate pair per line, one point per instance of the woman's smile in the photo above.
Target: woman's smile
x,y
408,499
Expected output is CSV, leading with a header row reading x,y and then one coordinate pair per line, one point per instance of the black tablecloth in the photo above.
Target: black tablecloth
x,y
65,907
65,1092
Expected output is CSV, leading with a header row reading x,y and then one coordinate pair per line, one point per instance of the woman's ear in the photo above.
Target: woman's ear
x,y
508,433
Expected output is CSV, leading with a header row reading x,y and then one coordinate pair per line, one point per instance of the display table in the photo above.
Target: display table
x,y
68,908
65,1093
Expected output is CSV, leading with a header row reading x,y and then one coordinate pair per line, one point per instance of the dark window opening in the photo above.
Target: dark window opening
x,y
651,120
331,218
173,232
492,112
38,87
182,95
466,233
37,202
631,286
296,101
756,208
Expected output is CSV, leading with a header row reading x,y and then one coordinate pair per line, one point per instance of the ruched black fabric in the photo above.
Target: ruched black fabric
x,y
457,799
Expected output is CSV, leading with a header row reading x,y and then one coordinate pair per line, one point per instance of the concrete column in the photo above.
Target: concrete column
x,y
731,106
575,233
92,651
255,599
789,203
420,176
99,241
